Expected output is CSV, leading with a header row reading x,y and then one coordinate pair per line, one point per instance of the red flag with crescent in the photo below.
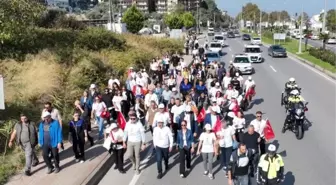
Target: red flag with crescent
x,y
268,131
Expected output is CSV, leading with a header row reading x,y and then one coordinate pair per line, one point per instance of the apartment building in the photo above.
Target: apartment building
x,y
161,6
189,5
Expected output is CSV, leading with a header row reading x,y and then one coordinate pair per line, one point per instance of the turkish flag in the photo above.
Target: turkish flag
x,y
121,121
201,116
268,131
218,125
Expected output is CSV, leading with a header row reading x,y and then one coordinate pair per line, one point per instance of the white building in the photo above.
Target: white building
x,y
315,22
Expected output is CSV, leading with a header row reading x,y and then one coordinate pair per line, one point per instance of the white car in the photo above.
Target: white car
x,y
314,37
256,41
331,40
243,64
254,53
220,39
216,47
298,36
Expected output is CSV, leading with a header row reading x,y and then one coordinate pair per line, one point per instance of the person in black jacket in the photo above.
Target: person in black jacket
x,y
78,134
107,99
85,116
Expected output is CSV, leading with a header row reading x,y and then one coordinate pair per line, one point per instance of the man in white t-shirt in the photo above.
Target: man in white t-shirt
x,y
176,110
248,83
226,137
259,125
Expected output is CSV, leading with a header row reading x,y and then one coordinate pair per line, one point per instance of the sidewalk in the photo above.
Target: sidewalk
x,y
71,173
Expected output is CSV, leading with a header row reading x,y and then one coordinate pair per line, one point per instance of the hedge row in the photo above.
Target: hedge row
x,y
323,54
62,40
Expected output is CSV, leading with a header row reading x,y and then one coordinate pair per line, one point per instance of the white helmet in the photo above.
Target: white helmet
x,y
237,74
292,79
295,92
250,77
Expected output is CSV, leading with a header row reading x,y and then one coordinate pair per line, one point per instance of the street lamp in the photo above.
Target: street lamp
x,y
324,17
301,25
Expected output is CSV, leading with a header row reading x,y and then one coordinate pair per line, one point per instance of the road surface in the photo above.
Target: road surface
x,y
310,161
318,44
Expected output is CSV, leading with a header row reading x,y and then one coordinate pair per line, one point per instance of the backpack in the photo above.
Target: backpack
x,y
235,159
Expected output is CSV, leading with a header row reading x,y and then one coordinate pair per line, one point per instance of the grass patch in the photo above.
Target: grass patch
x,y
292,46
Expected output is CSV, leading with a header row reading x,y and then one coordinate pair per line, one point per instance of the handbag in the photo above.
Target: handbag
x,y
105,114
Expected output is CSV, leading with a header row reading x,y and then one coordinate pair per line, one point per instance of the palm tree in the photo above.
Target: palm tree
x,y
324,37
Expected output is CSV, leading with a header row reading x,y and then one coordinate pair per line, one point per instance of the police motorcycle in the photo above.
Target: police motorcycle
x,y
295,119
285,94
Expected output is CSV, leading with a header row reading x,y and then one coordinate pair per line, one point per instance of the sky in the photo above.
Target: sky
x,y
311,7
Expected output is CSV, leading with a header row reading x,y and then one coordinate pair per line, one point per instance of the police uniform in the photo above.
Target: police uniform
x,y
270,168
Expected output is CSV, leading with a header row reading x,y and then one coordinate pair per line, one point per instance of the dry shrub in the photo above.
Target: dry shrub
x,y
38,76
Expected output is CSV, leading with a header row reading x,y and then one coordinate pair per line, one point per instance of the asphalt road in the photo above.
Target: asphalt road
x,y
310,161
318,44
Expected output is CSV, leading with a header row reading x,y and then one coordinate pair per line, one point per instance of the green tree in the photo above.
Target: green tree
x,y
134,19
324,37
174,21
330,20
305,19
284,16
188,20
17,18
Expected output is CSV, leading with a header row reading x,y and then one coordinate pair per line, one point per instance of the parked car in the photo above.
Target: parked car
x,y
332,40
314,37
246,37
277,51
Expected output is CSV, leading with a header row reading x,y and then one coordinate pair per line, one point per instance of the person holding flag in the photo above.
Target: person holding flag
x,y
259,125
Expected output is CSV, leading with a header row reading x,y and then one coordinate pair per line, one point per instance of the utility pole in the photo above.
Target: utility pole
x,y
301,25
111,15
198,17
260,23
324,17
214,14
254,22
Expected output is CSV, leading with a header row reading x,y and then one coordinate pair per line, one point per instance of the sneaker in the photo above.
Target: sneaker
x,y
133,166
205,173
50,170
122,171
82,161
159,176
137,172
210,176
57,170
27,173
181,175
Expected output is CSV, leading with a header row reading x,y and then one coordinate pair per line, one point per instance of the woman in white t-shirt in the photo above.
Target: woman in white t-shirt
x,y
117,135
98,107
207,146
239,126
171,82
116,100
226,137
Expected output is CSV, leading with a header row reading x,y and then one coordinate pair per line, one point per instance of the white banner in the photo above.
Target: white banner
x,y
2,95
279,36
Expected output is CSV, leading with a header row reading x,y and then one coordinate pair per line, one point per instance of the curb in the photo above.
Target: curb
x,y
324,71
100,171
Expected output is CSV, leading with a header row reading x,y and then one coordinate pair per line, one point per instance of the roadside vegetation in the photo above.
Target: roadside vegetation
x,y
47,56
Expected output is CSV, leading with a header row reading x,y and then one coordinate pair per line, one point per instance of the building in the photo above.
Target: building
x,y
161,6
189,5
125,3
315,23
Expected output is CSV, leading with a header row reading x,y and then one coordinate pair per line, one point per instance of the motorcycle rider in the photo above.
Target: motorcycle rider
x,y
236,84
295,97
240,78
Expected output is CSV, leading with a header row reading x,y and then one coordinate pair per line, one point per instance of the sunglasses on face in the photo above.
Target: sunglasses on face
x,y
183,125
132,118
258,116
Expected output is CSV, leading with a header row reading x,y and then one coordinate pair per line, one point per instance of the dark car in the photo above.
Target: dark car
x,y
277,51
230,34
246,37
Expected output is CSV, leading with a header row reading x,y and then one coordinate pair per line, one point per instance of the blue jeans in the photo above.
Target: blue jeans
x,y
161,153
241,180
225,156
100,122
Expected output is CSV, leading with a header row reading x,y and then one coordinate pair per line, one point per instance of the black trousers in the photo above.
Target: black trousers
x,y
262,146
161,153
119,158
79,144
175,128
185,157
46,150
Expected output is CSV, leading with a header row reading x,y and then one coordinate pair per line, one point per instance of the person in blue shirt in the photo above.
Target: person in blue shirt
x,y
50,139
185,87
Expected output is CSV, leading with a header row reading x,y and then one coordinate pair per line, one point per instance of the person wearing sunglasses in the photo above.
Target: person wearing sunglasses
x,y
163,143
134,140
185,146
259,125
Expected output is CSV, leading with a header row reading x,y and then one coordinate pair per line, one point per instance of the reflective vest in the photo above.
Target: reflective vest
x,y
271,167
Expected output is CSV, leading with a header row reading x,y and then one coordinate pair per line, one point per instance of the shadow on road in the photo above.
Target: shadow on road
x,y
289,179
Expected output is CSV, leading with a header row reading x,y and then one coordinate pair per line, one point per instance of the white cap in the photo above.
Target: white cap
x,y
161,106
92,86
131,68
188,109
271,148
46,114
231,62
250,77
217,84
113,126
237,74
207,126
292,79
174,89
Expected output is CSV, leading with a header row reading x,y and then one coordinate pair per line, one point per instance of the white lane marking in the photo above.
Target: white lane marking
x,y
136,177
230,49
313,69
273,68
232,56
